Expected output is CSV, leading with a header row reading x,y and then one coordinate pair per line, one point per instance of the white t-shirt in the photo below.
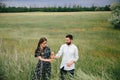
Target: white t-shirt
x,y
68,53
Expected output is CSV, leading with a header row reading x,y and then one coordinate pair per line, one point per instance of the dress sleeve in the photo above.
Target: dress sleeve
x,y
37,52
48,51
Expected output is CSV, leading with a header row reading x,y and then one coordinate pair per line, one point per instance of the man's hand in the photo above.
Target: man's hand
x,y
70,63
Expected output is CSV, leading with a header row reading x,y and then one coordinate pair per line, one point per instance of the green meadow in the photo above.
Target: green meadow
x,y
98,43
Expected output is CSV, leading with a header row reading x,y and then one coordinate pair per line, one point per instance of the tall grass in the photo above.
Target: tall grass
x,y
97,41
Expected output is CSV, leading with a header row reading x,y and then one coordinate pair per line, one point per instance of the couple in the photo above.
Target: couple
x,y
68,51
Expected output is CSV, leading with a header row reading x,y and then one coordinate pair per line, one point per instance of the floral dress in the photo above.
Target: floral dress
x,y
43,69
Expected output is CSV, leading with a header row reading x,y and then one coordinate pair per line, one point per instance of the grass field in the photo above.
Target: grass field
x,y
98,43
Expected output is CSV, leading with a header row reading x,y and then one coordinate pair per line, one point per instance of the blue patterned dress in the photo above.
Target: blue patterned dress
x,y
43,69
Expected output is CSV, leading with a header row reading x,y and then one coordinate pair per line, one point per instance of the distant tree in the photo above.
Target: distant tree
x,y
93,7
115,19
97,9
34,8
2,7
107,8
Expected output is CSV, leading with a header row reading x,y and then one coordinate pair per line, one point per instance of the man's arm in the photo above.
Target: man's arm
x,y
76,56
58,55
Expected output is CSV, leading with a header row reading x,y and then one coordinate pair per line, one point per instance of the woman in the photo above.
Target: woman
x,y
43,68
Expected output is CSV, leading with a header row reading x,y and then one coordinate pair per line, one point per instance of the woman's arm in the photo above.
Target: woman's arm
x,y
46,60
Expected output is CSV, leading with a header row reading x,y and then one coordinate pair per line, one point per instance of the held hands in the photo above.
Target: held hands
x,y
52,57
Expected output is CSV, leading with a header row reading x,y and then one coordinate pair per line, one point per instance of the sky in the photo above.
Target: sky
x,y
48,3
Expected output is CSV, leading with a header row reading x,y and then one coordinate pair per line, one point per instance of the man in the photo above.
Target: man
x,y
69,53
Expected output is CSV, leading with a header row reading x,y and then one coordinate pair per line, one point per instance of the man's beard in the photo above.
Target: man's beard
x,y
68,43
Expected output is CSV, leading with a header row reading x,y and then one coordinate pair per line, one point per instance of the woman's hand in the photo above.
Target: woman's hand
x,y
50,60
52,56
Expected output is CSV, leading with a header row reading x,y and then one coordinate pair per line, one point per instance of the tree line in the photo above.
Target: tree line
x,y
74,8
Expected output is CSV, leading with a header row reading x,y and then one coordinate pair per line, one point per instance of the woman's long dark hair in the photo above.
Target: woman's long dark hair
x,y
40,42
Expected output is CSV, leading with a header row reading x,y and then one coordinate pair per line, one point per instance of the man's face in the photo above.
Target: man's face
x,y
68,41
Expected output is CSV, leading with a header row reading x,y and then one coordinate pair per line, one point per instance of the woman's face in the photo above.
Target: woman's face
x,y
44,44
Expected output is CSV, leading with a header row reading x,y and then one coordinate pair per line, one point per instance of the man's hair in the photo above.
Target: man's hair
x,y
69,36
